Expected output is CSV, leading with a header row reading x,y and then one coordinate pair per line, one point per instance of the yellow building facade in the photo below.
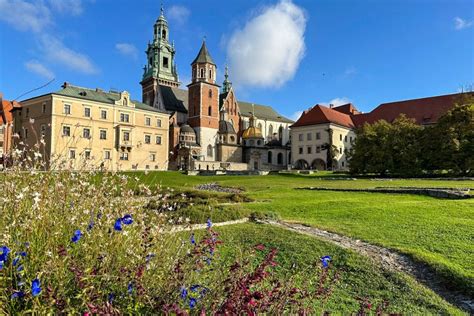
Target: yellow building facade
x,y
88,129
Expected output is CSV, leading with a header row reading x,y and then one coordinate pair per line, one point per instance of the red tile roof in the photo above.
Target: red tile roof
x,y
424,110
347,109
320,114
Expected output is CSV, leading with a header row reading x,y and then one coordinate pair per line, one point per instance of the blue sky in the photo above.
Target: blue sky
x,y
290,55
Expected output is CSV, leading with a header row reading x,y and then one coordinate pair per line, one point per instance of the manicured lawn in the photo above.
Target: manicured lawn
x,y
438,232
359,277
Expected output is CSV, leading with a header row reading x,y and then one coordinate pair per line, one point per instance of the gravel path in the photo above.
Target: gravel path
x,y
388,259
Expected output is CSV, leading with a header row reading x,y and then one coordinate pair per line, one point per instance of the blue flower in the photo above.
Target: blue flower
x,y
35,287
15,261
1,265
149,257
77,236
118,225
193,241
325,261
111,297
18,294
23,254
184,293
209,223
130,288
20,268
5,251
192,302
194,287
127,219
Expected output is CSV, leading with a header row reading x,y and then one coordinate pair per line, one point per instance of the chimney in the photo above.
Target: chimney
x,y
65,85
331,106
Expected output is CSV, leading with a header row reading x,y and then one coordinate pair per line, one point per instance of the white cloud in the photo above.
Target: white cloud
x,y
127,49
73,7
25,16
350,71
295,116
337,101
178,14
460,24
38,68
267,51
57,52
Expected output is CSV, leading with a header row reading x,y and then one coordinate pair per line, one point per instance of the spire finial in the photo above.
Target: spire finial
x,y
162,10
204,38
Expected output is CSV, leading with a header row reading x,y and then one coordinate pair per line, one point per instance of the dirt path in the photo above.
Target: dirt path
x,y
388,259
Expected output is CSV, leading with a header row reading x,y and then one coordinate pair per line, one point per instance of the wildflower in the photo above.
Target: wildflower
x,y
20,268
130,288
260,247
149,257
192,302
195,287
77,236
209,223
127,219
193,241
325,261
35,287
17,294
111,297
4,256
184,293
118,225
90,226
15,261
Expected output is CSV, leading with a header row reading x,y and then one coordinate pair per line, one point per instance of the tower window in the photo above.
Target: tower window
x,y
209,111
165,62
202,73
163,34
210,93
210,74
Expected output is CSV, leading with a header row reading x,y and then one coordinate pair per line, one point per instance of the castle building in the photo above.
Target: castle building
x,y
207,121
79,128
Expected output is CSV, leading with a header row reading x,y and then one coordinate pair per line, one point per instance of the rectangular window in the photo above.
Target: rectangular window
x,y
318,135
43,108
87,154
87,112
345,138
340,150
158,123
147,121
124,117
318,149
72,154
343,163
107,154
300,137
147,139
67,109
103,114
308,136
350,139
309,149
301,150
152,157
126,136
123,155
340,137
165,62
86,133
158,140
66,131
103,134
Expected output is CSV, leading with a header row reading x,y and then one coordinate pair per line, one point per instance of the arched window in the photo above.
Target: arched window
x,y
202,73
210,93
209,151
209,111
210,74
280,158
280,133
125,102
269,157
270,130
164,34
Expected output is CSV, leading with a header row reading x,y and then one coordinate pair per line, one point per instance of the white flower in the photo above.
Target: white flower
x,y
20,196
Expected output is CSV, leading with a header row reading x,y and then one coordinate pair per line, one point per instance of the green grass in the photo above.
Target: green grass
x,y
359,278
435,231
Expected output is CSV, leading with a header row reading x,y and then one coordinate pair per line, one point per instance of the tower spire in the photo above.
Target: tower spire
x,y
226,84
162,14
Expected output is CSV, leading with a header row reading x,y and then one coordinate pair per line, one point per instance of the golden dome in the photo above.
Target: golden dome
x,y
252,132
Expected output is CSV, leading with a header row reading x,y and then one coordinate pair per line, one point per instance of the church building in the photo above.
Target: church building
x,y
210,128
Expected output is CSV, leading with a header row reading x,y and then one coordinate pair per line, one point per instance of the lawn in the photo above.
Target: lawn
x,y
435,231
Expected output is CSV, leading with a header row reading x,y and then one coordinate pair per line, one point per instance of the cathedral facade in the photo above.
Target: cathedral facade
x,y
210,128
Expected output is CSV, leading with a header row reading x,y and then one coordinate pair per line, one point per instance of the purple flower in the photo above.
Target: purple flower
x,y
149,257
193,241
325,261
18,294
192,303
127,219
35,287
118,225
77,236
90,226
130,288
111,297
209,223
